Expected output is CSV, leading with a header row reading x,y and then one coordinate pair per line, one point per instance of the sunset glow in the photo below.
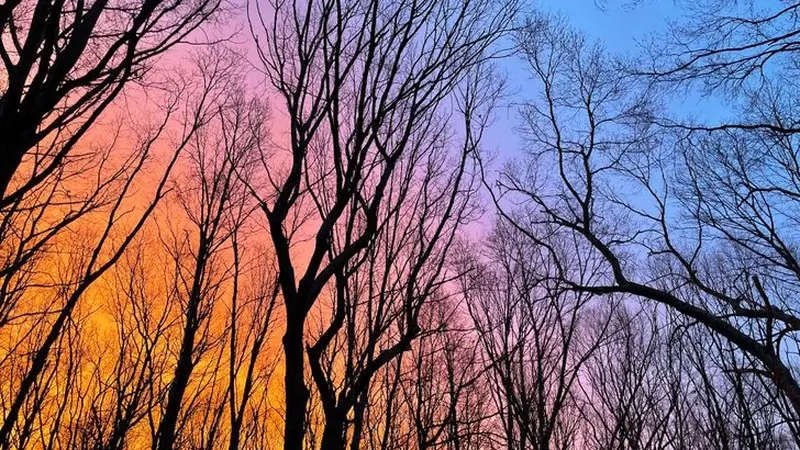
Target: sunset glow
x,y
399,225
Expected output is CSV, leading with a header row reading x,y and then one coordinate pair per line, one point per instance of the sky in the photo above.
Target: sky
x,y
618,24
621,26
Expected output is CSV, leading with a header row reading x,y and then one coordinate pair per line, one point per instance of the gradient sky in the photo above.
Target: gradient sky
x,y
619,25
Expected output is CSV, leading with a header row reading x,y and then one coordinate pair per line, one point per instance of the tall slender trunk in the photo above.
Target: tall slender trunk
x,y
358,421
165,436
10,157
166,428
333,435
295,386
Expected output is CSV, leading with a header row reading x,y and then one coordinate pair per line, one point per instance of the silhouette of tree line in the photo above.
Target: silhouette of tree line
x,y
177,273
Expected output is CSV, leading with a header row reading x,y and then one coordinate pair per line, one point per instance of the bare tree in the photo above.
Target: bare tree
x,y
732,406
363,84
699,223
379,296
57,246
445,393
251,324
216,206
535,338
64,63
728,46
120,399
632,390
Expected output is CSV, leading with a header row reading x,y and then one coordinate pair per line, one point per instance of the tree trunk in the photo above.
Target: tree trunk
x,y
333,436
166,428
295,387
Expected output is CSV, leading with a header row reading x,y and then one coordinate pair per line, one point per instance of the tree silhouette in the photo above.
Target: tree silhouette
x,y
364,86
65,62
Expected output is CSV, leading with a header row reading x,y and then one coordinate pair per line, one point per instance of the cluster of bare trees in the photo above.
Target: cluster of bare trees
x,y
193,260
696,218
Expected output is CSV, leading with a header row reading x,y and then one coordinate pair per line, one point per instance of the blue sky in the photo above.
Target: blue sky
x,y
619,25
